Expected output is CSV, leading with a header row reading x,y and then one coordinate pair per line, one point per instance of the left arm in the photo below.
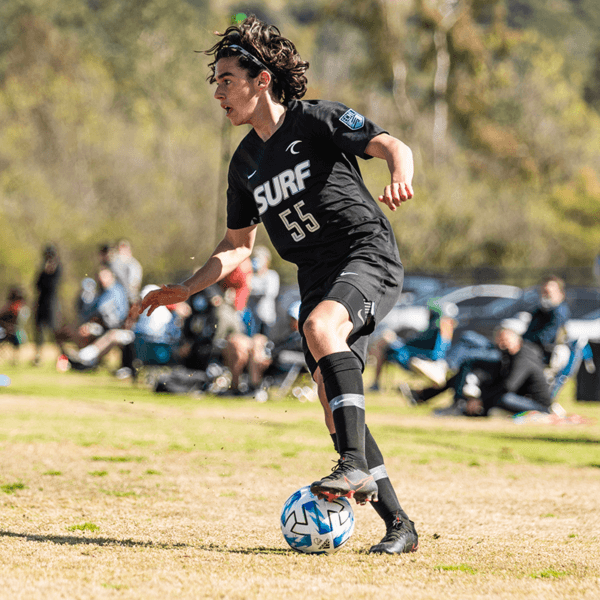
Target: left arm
x,y
400,163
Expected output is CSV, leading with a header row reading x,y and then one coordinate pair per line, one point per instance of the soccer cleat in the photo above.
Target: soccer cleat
x,y
434,370
400,537
346,480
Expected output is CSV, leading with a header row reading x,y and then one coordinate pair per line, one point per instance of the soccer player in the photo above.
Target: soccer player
x,y
296,172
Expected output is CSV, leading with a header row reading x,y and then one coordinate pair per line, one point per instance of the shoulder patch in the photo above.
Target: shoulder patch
x,y
352,119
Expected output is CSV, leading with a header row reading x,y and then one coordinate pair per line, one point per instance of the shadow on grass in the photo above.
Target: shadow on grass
x,y
257,550
72,540
554,439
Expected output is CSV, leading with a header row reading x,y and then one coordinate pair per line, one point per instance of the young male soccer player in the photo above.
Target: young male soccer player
x,y
296,171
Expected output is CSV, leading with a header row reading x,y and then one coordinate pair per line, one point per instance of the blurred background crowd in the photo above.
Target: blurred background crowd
x,y
241,336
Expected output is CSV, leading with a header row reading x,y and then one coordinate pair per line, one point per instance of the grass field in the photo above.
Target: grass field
x,y
110,491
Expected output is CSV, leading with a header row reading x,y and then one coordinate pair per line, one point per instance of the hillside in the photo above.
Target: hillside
x,y
109,129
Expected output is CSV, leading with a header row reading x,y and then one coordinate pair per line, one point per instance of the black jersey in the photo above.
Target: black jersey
x,y
305,185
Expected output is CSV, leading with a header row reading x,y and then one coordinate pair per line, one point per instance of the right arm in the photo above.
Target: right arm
x,y
231,251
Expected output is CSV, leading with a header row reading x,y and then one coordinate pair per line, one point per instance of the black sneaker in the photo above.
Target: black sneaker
x,y
346,480
413,397
401,536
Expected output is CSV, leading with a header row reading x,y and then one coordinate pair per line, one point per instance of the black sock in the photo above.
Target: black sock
x,y
334,440
342,378
388,506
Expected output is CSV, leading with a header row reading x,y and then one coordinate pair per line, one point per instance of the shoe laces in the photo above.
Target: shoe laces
x,y
395,529
341,464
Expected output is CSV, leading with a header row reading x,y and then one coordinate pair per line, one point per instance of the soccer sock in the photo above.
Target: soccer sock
x,y
342,378
334,440
388,504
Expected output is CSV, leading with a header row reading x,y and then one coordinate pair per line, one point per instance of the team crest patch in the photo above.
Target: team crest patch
x,y
352,119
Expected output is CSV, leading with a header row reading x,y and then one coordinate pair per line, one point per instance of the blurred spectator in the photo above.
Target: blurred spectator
x,y
127,270
162,327
264,290
546,327
256,354
544,330
238,283
13,316
201,330
105,255
108,310
47,304
111,307
236,290
432,344
516,383
87,296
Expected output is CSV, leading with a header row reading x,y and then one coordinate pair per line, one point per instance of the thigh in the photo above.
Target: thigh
x,y
366,293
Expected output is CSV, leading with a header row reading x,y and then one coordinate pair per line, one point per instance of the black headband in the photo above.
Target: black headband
x,y
251,57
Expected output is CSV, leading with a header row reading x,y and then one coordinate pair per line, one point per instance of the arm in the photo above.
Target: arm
x,y
231,251
400,163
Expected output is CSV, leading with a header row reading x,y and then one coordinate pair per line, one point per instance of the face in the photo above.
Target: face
x,y
236,91
551,294
508,341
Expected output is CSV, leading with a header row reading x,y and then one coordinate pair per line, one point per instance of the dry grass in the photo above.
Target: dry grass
x,y
111,492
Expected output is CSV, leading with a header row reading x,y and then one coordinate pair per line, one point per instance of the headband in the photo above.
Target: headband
x,y
251,57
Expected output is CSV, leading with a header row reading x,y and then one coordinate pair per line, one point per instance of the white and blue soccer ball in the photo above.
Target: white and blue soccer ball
x,y
316,526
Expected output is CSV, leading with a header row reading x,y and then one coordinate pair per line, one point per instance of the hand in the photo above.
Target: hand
x,y
395,194
168,294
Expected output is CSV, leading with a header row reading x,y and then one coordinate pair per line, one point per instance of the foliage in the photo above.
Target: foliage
x,y
108,128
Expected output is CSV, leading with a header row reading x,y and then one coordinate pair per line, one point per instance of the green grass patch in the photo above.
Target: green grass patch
x,y
53,473
11,488
98,473
462,568
550,574
119,493
84,527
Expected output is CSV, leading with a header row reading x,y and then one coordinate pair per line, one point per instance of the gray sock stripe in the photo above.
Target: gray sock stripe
x,y
379,472
357,400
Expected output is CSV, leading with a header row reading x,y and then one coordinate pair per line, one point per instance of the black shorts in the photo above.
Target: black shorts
x,y
367,293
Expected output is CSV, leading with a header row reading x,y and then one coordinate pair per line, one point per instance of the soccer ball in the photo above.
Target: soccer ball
x,y
316,526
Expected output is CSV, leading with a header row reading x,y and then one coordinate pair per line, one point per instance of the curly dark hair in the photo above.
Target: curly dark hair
x,y
274,52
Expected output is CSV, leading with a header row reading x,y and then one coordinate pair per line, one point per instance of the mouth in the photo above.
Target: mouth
x,y
227,109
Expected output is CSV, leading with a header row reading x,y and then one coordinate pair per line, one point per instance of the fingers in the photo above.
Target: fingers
x,y
395,194
154,299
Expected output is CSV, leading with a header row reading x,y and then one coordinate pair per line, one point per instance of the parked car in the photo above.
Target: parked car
x,y
584,303
468,304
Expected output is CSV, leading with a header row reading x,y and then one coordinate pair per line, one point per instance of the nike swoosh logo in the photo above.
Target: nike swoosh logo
x,y
361,316
292,147
252,175
347,273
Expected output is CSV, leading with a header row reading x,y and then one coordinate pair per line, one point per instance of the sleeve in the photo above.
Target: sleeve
x,y
518,373
241,207
350,131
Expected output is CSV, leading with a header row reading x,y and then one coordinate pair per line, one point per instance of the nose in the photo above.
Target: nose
x,y
218,93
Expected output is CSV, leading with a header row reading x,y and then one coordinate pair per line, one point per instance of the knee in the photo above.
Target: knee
x,y
315,327
320,326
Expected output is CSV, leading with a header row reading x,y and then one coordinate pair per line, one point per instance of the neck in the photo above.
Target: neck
x,y
268,119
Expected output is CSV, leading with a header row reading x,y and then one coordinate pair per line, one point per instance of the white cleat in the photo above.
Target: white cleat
x,y
434,370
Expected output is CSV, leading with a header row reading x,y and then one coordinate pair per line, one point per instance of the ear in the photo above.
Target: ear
x,y
264,78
